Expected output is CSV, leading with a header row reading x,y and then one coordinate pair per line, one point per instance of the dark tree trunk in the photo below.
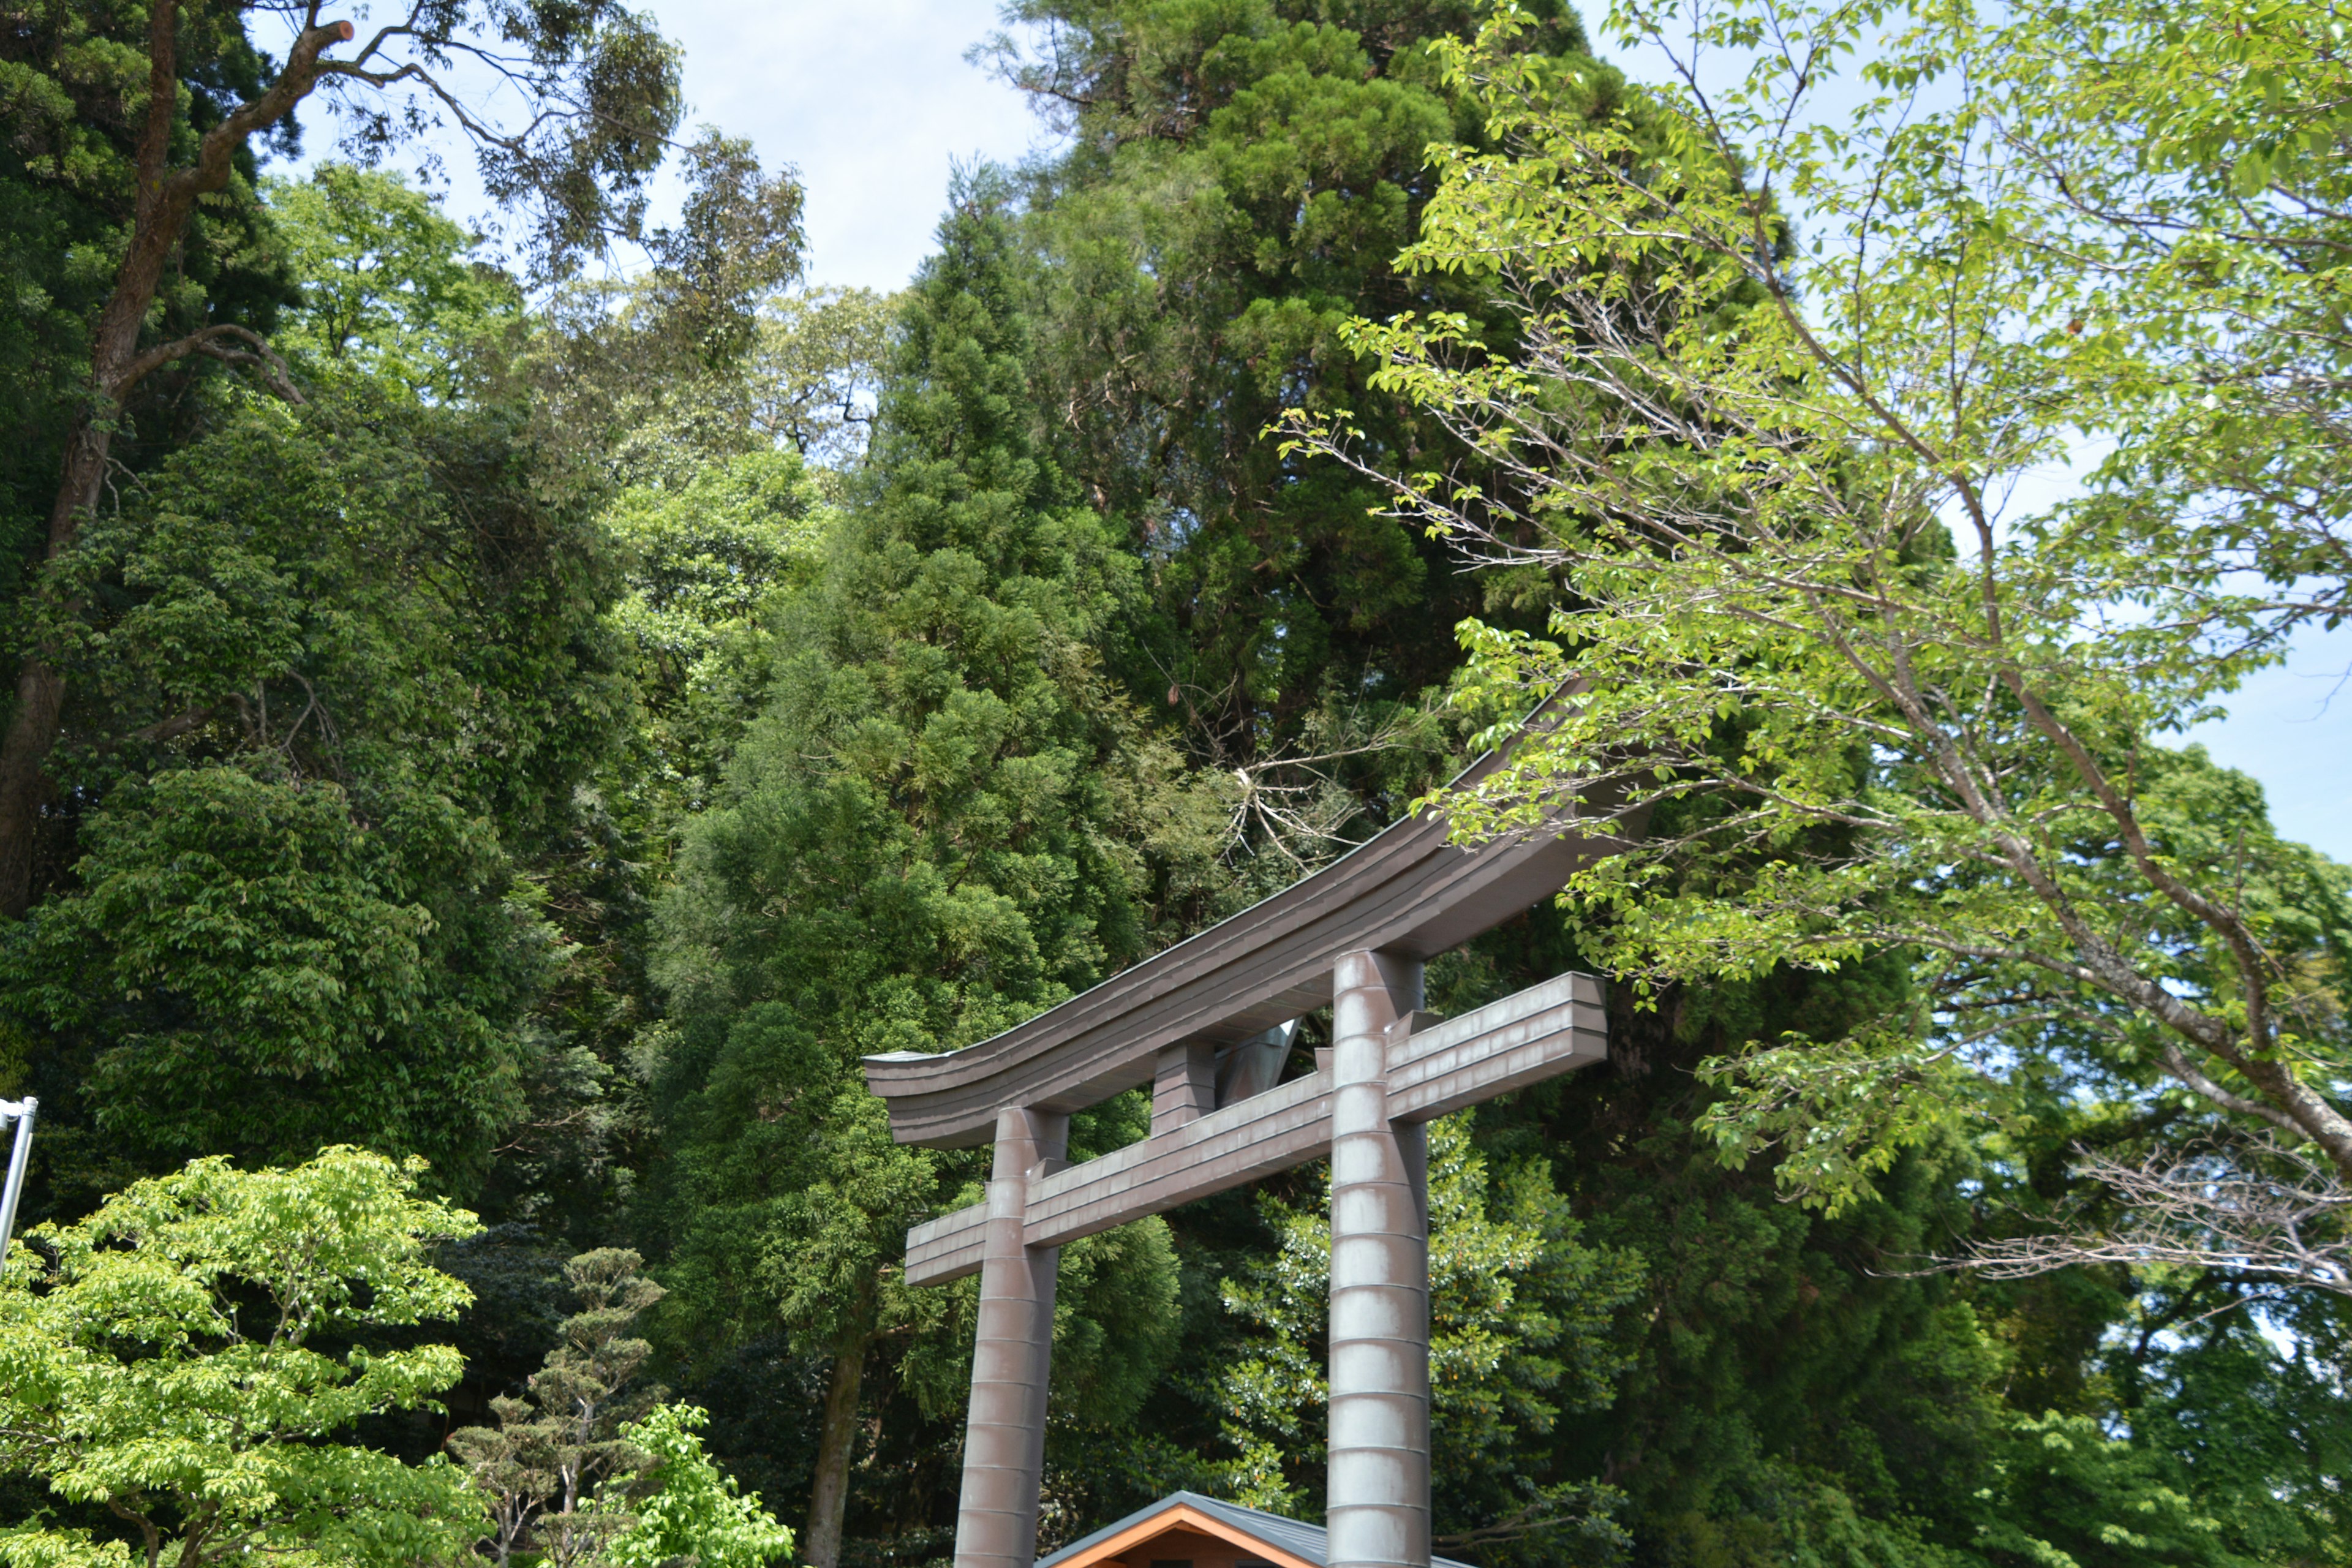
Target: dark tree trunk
x,y
41,687
165,198
40,694
836,1439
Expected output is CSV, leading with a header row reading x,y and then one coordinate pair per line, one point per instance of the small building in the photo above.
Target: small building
x,y
1185,1529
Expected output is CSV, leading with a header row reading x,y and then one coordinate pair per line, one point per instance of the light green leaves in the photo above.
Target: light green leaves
x,y
1836,1114
693,1514
163,1364
1805,334
389,290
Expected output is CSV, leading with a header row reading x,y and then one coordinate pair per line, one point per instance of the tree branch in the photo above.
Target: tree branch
x,y
212,342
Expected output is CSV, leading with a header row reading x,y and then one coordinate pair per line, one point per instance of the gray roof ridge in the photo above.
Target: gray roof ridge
x,y
1296,1536
1216,1507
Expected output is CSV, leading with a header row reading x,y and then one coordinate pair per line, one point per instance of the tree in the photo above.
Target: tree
x,y
344,675
641,381
542,1469
600,94
1740,456
236,931
387,284
943,819
343,669
708,563
193,1357
690,1513
1239,180
817,370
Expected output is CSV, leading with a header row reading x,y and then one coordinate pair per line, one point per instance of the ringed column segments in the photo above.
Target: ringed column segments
x,y
1207,1024
1376,1500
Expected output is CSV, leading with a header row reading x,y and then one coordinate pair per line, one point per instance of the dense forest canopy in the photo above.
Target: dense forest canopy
x,y
493,744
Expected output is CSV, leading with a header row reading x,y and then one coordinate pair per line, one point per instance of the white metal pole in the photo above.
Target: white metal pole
x,y
21,1113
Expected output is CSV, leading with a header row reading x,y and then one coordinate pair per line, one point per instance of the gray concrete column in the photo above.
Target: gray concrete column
x,y
1011,1357
1376,1506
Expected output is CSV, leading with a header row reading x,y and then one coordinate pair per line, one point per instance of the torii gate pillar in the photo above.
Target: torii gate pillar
x,y
1012,1354
1377,1493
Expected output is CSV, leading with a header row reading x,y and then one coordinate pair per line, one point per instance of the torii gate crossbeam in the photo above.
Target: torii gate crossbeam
x,y
1432,1066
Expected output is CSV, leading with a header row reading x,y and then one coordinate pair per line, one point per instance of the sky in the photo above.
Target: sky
x,y
874,102
2291,727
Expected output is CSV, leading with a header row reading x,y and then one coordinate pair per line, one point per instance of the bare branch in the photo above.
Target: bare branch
x,y
2262,1211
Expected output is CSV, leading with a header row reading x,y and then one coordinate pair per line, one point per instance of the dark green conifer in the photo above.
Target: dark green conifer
x,y
1241,177
945,819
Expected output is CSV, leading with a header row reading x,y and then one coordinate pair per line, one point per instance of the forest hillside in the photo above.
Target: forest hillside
x,y
496,734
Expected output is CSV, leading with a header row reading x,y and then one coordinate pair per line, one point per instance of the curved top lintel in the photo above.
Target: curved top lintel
x,y
1404,891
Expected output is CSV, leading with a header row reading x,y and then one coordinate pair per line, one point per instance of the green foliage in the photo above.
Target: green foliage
x,y
236,931
1899,745
1799,1391
692,1515
2082,1497
338,673
544,1466
642,381
944,818
2252,1427
816,370
387,288
920,840
1523,1328
393,717
593,92
362,585
75,77
1780,1397
194,1355
707,564
1239,181
738,240
337,666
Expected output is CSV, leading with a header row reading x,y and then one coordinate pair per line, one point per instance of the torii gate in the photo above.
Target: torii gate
x,y
1207,1024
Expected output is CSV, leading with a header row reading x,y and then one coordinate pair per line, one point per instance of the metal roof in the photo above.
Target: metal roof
x,y
1295,1537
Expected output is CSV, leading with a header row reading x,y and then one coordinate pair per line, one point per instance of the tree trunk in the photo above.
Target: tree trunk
x,y
40,688
164,199
836,1439
40,694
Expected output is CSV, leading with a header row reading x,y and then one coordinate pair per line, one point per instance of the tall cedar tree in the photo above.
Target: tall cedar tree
x,y
945,819
1240,177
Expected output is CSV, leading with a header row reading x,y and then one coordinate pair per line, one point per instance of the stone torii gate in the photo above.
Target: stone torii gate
x,y
1208,1023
